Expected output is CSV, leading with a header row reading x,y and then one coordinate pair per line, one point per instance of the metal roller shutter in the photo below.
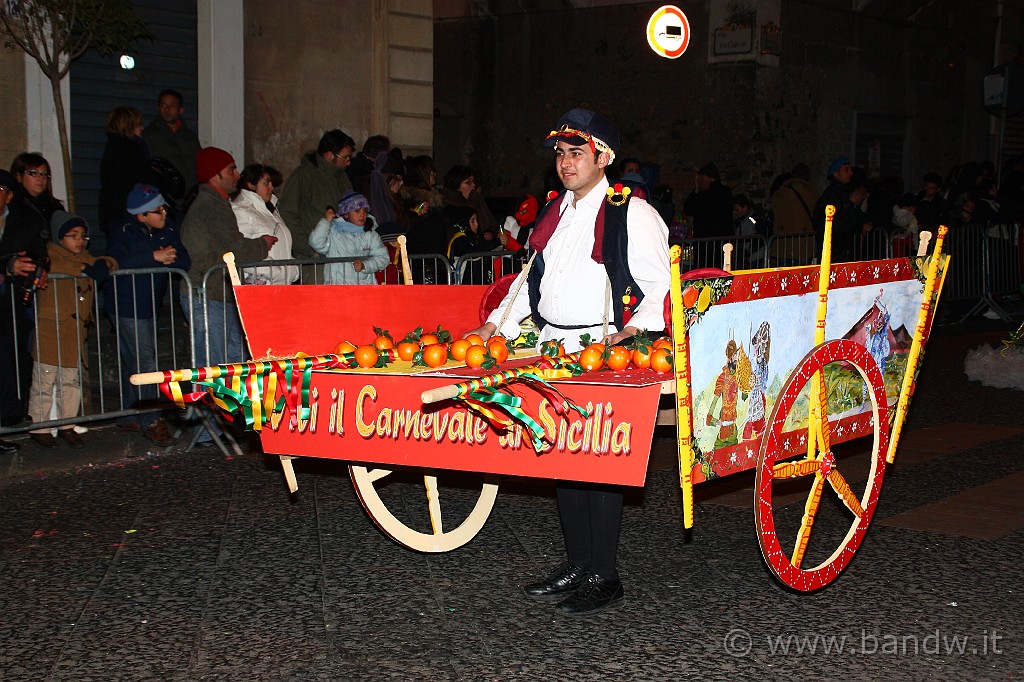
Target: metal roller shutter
x,y
100,84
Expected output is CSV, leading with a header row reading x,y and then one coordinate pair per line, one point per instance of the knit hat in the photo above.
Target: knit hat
x,y
837,164
710,170
210,161
144,198
63,222
352,201
583,126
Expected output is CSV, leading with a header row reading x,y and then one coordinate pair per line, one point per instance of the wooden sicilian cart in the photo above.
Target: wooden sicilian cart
x,y
773,370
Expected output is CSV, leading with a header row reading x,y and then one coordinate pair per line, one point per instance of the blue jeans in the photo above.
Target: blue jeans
x,y
137,345
222,326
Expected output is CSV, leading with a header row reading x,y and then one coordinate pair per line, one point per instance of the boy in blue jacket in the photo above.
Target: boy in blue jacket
x,y
144,240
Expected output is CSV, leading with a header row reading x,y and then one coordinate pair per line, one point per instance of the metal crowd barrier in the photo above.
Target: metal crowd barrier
x,y
193,328
748,252
486,267
792,250
101,376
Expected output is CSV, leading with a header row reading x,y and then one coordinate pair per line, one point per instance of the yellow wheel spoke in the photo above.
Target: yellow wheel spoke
x,y
842,489
807,522
804,467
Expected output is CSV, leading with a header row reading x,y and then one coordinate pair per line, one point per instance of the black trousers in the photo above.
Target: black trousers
x,y
590,516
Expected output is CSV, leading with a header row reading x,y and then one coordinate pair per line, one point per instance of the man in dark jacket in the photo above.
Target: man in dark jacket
x,y
709,205
168,137
144,240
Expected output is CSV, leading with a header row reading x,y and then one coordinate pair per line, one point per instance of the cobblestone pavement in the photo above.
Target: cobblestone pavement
x,y
191,566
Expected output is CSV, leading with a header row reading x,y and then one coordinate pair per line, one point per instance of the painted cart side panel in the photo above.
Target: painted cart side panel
x,y
280,321
381,419
765,322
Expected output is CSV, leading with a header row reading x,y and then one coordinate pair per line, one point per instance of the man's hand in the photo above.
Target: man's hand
x,y
615,338
22,265
166,255
485,332
357,265
269,240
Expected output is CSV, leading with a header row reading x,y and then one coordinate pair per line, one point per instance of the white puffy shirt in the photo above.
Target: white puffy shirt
x,y
573,288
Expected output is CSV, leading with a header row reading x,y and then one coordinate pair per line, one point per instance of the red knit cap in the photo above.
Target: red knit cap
x,y
210,161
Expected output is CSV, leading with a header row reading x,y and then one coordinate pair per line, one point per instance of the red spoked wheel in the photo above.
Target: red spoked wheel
x,y
814,442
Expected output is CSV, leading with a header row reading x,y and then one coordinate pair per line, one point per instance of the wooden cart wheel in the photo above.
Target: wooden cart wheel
x,y
439,540
775,462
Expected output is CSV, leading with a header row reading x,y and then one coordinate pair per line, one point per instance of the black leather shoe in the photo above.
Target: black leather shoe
x,y
7,447
594,596
558,585
71,438
44,439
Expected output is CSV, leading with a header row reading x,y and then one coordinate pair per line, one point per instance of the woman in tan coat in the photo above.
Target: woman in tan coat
x,y
62,312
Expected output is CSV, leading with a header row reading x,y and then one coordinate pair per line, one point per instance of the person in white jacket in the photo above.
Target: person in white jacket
x,y
350,236
255,209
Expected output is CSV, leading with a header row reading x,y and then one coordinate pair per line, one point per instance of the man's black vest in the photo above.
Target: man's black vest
x,y
626,294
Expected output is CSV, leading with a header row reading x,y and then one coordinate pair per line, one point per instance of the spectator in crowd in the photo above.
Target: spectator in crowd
x,y
520,224
792,205
470,238
426,230
460,189
903,219
144,239
709,205
125,163
255,209
386,181
747,226
963,211
208,231
987,208
20,245
33,194
169,138
362,163
317,183
62,315
28,227
346,233
849,222
931,207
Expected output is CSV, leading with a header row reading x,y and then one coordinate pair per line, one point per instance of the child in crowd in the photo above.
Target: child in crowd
x,y
62,312
904,218
144,239
349,236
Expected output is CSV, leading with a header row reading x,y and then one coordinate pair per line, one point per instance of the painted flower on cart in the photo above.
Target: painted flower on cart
x,y
877,271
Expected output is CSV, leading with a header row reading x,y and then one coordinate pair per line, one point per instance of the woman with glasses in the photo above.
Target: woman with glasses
x,y
255,208
125,163
32,193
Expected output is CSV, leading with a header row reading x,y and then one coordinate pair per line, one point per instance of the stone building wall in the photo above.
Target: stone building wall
x,y
362,66
502,81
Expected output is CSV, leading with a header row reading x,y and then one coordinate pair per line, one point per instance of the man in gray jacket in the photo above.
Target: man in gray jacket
x,y
209,231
